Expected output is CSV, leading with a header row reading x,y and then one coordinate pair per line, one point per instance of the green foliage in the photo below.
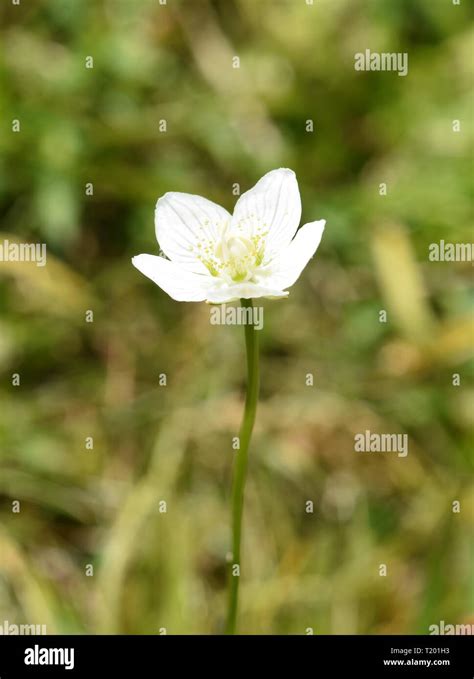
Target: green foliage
x,y
151,443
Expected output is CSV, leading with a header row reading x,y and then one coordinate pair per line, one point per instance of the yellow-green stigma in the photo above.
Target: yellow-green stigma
x,y
233,256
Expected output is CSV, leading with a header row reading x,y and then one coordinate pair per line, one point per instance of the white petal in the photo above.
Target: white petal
x,y
229,293
181,285
294,258
273,207
186,225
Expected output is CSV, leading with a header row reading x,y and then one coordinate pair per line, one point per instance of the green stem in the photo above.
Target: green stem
x,y
240,464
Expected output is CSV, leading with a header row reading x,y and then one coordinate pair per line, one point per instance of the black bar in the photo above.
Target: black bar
x,y
150,656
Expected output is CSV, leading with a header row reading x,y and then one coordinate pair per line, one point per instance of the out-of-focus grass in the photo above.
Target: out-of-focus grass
x,y
152,444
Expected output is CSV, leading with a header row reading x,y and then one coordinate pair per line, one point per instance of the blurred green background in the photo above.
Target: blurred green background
x,y
101,507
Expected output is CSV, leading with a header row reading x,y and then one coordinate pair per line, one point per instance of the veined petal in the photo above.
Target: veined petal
x,y
181,285
229,293
188,228
294,258
270,212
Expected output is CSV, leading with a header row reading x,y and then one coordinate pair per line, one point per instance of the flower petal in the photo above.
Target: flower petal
x,y
229,293
293,260
271,209
181,285
188,227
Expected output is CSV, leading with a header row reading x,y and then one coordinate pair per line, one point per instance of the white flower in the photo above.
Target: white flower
x,y
216,257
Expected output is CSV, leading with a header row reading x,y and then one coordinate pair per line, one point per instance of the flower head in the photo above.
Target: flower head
x,y
218,257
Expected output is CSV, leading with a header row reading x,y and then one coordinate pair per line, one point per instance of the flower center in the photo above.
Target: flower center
x,y
239,256
233,256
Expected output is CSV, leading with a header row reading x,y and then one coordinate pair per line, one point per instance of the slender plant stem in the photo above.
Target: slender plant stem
x,y
240,464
